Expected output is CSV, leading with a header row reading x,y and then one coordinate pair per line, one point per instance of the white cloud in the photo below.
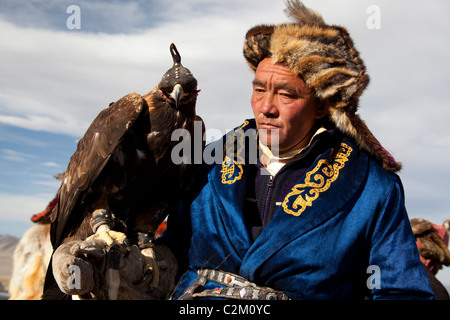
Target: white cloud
x,y
52,164
22,207
57,80
62,79
15,156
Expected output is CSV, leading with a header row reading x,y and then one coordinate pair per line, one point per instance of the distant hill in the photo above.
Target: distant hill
x,y
7,246
8,243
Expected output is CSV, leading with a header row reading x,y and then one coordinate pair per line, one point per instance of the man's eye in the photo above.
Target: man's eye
x,y
287,95
259,90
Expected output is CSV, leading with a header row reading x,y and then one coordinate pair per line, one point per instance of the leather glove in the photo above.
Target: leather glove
x,y
81,267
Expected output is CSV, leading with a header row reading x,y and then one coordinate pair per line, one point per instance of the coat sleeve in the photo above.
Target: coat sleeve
x,y
395,270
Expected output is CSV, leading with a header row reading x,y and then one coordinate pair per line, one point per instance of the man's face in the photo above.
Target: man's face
x,y
281,101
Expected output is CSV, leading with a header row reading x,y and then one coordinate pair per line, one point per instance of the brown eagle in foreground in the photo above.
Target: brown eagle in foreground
x,y
123,163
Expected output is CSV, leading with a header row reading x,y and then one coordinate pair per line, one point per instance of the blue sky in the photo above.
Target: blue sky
x,y
54,81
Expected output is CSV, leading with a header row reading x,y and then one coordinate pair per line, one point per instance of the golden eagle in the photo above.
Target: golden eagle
x,y
123,164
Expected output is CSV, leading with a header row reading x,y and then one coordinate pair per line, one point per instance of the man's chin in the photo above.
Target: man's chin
x,y
269,138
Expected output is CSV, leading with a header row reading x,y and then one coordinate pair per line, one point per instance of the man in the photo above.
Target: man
x,y
317,211
321,214
432,242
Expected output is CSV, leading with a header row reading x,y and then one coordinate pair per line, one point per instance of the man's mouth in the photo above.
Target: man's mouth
x,y
267,126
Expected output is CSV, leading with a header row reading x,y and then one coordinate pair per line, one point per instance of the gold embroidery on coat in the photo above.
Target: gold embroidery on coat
x,y
317,181
231,171
232,164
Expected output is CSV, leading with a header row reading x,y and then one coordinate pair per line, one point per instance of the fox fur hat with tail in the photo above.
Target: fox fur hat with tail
x,y
325,58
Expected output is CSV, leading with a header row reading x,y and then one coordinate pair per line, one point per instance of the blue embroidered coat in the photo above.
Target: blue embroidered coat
x,y
342,232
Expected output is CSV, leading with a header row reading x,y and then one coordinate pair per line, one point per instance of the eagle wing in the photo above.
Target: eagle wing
x,y
93,152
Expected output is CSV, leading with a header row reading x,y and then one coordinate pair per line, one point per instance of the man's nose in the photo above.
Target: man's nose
x,y
268,105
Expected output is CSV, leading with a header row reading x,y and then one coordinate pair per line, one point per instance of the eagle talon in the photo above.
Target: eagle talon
x,y
111,237
101,223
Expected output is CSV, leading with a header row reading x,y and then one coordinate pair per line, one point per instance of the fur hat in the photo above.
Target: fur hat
x,y
325,58
432,242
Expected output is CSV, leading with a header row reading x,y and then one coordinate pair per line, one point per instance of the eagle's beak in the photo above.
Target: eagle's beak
x,y
177,94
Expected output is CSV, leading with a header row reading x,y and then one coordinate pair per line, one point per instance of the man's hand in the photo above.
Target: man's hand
x,y
79,268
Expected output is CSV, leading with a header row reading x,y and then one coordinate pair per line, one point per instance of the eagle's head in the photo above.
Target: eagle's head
x,y
178,86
